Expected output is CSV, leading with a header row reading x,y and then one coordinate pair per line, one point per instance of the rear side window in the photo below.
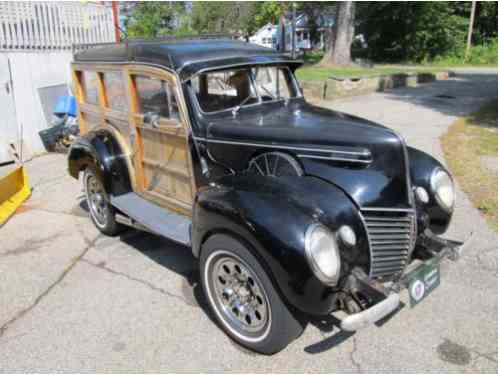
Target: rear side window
x,y
115,92
90,83
156,96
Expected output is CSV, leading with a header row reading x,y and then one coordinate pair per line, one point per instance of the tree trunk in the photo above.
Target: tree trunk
x,y
339,48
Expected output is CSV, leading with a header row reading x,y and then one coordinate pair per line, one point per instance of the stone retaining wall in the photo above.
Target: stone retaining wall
x,y
342,87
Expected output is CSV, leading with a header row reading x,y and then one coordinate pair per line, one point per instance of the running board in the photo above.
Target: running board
x,y
153,218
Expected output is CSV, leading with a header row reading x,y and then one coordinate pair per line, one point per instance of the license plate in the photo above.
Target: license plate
x,y
424,280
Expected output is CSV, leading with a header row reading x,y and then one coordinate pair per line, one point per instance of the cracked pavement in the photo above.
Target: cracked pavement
x,y
74,300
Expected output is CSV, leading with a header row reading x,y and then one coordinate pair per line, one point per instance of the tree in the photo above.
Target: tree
x,y
411,31
224,17
153,19
339,51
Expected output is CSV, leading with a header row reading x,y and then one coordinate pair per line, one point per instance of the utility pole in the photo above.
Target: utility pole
x,y
115,16
293,30
282,36
471,27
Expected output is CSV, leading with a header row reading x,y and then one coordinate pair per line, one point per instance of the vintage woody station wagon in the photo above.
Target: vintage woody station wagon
x,y
293,211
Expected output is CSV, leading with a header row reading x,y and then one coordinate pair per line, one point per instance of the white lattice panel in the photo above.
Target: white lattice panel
x,y
53,25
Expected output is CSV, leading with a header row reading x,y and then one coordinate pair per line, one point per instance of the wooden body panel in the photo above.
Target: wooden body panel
x,y
159,157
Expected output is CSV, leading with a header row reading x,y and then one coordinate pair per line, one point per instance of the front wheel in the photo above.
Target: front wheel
x,y
243,298
101,211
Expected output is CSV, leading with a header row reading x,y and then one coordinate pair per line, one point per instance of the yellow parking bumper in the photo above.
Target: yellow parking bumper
x,y
14,190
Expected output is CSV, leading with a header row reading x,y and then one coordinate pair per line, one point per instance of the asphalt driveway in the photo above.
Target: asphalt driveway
x,y
74,300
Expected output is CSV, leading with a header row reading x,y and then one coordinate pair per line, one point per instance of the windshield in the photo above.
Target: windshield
x,y
231,89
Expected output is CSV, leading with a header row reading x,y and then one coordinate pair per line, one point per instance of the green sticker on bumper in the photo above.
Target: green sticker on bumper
x,y
423,281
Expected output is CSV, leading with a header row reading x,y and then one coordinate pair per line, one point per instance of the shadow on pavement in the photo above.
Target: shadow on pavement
x,y
454,96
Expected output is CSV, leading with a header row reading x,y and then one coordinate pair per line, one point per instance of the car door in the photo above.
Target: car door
x,y
161,154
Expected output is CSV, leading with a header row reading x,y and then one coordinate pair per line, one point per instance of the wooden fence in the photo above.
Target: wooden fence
x,y
29,26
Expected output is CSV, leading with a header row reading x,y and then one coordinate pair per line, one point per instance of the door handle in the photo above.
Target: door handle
x,y
151,119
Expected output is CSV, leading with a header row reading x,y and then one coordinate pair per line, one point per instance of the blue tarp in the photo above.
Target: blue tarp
x,y
66,105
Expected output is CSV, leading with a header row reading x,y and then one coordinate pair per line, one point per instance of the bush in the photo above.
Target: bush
x,y
485,54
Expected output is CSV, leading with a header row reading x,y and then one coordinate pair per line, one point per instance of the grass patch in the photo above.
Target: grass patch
x,y
318,73
471,149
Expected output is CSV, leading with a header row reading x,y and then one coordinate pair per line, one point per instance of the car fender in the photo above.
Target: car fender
x,y
100,149
271,215
422,166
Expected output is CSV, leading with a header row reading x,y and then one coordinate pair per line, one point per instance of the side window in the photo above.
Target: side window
x,y
115,93
90,84
217,91
156,96
273,83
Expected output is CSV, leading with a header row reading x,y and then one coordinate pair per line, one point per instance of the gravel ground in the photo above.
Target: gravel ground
x,y
74,300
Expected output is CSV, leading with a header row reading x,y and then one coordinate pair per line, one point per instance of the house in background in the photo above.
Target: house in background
x,y
266,36
269,35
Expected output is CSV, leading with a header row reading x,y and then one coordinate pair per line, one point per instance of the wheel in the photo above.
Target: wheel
x,y
101,211
243,298
276,164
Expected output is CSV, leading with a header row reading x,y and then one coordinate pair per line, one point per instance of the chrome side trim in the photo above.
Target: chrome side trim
x,y
335,158
363,152
387,209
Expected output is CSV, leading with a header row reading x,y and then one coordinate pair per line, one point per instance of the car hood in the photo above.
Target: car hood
x,y
366,160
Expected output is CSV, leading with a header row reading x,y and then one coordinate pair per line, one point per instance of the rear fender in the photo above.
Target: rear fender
x,y
100,149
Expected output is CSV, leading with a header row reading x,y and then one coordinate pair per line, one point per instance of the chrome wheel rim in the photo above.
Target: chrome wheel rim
x,y
97,203
237,295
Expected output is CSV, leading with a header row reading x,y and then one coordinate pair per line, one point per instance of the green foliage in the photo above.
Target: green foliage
x,y
268,12
484,54
153,19
224,17
427,31
413,31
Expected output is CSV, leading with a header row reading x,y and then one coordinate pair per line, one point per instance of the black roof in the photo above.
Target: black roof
x,y
186,57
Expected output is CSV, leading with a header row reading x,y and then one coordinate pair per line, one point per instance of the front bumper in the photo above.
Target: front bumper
x,y
439,249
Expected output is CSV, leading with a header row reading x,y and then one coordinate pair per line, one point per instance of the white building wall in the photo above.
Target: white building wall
x,y
30,72
38,38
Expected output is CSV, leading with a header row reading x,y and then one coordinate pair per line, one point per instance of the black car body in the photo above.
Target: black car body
x,y
280,178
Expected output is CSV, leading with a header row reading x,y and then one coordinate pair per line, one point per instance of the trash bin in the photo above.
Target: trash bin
x,y
50,136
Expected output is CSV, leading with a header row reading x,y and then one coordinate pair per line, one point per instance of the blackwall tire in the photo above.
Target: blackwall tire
x,y
101,211
273,325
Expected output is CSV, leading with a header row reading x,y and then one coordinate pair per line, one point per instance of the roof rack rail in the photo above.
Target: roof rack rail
x,y
166,38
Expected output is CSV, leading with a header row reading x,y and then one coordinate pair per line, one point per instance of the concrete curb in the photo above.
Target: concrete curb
x,y
336,87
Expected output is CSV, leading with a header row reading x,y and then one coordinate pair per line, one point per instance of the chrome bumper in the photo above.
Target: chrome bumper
x,y
371,315
450,249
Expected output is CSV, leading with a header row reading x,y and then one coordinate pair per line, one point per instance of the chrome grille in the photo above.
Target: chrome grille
x,y
391,235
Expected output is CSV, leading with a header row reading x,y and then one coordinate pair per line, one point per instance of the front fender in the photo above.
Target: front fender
x,y
272,215
100,150
421,167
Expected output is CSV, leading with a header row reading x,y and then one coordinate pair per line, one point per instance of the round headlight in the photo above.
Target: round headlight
x,y
323,253
442,187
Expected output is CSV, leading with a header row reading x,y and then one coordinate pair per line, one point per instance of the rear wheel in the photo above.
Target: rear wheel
x,y
101,211
243,298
